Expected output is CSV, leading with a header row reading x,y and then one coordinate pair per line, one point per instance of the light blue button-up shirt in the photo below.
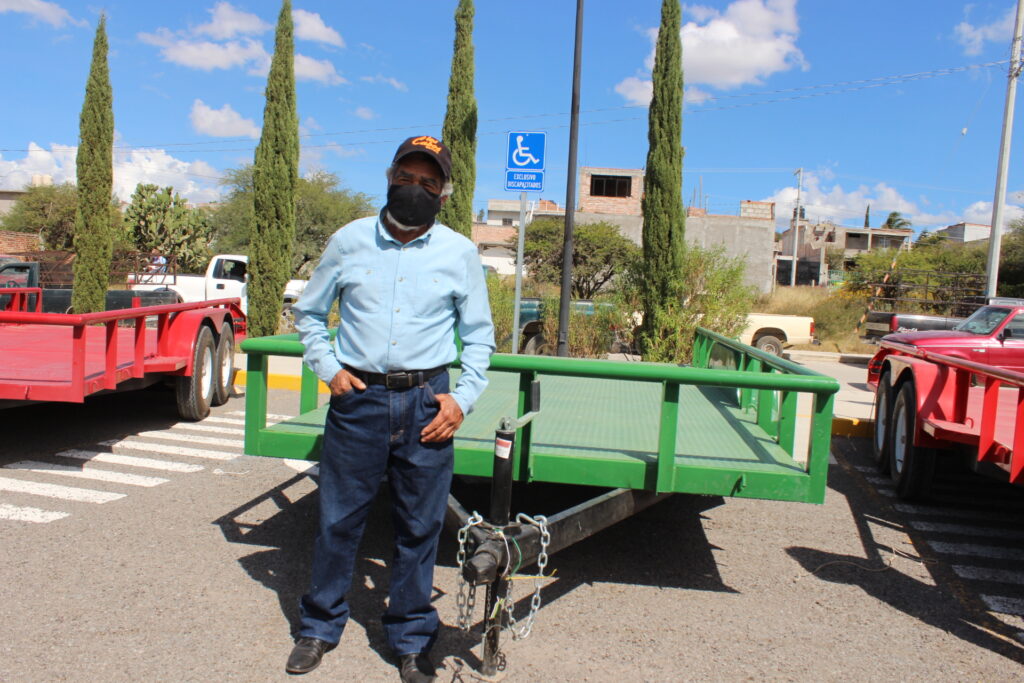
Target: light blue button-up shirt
x,y
399,306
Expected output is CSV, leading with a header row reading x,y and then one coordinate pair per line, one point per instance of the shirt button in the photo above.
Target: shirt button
x,y
394,343
398,310
401,279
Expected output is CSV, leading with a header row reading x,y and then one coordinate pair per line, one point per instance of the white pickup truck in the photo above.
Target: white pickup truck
x,y
770,332
225,277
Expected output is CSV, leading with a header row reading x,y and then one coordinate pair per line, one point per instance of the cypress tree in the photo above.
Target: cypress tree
x,y
275,177
95,170
867,217
459,131
664,224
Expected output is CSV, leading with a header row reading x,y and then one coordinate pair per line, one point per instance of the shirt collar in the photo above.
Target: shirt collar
x,y
382,230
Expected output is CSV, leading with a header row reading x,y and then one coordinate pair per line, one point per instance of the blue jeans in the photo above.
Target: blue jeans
x,y
369,434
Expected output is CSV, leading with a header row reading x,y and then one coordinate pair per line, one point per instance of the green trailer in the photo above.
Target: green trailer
x,y
732,424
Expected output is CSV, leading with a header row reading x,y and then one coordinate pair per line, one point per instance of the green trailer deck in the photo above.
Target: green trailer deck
x,y
728,425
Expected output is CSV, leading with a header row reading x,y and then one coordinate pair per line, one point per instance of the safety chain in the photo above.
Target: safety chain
x,y
522,632
465,600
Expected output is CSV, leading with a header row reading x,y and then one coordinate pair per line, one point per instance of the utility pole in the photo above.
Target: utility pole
x,y
796,222
995,239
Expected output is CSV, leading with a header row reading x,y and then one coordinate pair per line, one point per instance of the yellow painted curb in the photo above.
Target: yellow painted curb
x,y
289,382
852,426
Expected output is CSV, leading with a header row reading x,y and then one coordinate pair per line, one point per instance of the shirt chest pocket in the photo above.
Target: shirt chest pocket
x,y
434,295
363,288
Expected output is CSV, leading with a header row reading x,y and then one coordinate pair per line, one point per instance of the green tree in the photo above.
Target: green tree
x,y
895,220
664,222
867,217
93,239
275,176
48,210
1011,260
459,130
600,253
321,208
158,218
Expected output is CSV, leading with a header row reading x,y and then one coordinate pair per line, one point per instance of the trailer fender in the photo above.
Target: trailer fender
x,y
183,329
934,391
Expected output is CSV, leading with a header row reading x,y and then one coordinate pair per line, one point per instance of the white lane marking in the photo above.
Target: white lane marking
x,y
131,461
966,530
974,550
877,480
150,447
950,512
196,427
306,466
887,491
870,469
270,416
85,471
55,491
998,603
832,459
29,514
988,574
171,436
225,420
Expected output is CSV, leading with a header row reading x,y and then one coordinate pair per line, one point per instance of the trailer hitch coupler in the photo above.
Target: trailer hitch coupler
x,y
482,566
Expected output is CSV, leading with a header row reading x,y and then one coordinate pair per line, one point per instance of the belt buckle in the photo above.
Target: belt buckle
x,y
403,376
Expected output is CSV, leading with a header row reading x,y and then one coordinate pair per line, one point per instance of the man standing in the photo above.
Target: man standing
x,y
403,284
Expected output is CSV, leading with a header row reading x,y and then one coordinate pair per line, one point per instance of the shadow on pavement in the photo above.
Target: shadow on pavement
x,y
664,546
934,605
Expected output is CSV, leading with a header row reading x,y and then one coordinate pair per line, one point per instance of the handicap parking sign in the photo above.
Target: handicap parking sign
x,y
525,151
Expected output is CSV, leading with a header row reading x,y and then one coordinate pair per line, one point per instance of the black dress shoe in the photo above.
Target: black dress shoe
x,y
306,655
416,668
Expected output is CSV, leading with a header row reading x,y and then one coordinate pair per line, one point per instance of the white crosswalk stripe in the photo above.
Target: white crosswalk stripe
x,y
57,491
197,427
1004,605
20,513
966,530
133,444
171,435
130,461
271,417
974,550
989,574
85,471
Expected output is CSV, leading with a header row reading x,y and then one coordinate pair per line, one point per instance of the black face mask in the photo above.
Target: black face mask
x,y
413,205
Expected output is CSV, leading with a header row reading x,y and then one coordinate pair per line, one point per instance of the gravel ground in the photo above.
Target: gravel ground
x,y
198,580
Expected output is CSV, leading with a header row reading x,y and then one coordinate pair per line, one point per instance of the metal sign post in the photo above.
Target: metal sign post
x,y
524,171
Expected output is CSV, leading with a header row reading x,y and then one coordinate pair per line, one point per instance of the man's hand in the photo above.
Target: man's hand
x,y
345,382
448,419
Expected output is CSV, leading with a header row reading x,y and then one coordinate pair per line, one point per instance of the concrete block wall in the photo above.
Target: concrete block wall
x,y
12,242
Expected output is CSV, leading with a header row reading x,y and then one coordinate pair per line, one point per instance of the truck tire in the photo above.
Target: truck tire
x,y
911,467
536,346
883,421
195,392
769,344
225,363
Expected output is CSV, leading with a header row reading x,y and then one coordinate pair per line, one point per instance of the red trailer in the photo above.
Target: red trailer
x,y
930,406
67,357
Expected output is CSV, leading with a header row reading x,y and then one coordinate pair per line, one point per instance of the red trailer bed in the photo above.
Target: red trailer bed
x,y
63,357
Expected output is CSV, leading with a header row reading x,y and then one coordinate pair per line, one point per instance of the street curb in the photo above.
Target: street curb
x,y
288,382
852,426
826,356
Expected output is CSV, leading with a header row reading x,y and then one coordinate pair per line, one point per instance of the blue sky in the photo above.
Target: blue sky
x,y
893,104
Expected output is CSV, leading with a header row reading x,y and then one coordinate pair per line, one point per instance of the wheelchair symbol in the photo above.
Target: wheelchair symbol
x,y
521,155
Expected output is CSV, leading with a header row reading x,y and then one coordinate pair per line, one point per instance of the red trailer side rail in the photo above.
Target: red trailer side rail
x,y
957,404
66,357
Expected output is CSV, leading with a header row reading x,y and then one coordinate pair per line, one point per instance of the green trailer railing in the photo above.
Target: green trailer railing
x,y
728,425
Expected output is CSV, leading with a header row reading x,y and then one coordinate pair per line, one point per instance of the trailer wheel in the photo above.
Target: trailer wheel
x,y
883,419
195,392
911,467
225,365
769,344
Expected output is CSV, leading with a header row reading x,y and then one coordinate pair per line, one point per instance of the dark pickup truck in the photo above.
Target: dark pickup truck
x,y
880,323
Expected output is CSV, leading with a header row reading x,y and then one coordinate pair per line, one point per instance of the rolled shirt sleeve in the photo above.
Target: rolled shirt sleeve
x,y
477,333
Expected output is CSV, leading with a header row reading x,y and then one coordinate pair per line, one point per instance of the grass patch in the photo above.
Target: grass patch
x,y
835,315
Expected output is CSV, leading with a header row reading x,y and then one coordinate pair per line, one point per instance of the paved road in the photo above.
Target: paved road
x,y
191,566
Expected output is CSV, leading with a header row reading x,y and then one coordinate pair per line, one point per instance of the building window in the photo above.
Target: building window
x,y
610,186
506,221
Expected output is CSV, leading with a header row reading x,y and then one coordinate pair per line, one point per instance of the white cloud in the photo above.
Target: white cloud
x,y
195,180
49,12
749,41
321,70
636,90
222,123
981,212
365,113
310,26
206,55
973,38
393,82
227,22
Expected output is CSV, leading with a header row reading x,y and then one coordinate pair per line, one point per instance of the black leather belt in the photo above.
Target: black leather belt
x,y
398,380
